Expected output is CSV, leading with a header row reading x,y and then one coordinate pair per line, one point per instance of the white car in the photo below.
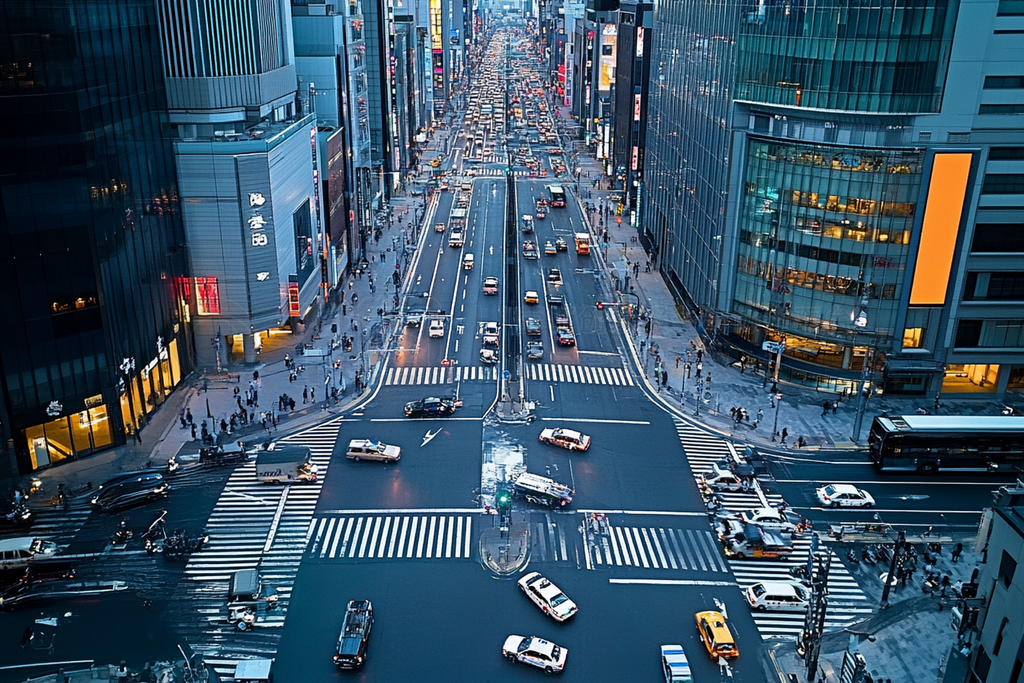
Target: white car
x,y
780,596
365,449
566,438
769,518
436,330
546,595
490,334
535,651
674,664
844,495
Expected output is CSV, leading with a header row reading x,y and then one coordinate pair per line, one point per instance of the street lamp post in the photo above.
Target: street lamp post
x,y
778,402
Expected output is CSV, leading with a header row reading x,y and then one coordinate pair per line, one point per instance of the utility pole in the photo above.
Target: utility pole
x,y
814,621
897,560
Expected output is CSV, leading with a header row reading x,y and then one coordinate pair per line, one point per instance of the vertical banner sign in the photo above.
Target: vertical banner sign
x,y
640,41
293,296
636,107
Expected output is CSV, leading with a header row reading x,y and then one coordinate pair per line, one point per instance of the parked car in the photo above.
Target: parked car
x,y
566,438
536,652
547,596
432,407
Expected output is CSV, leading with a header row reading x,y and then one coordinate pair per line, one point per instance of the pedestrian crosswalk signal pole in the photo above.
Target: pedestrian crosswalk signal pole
x,y
814,622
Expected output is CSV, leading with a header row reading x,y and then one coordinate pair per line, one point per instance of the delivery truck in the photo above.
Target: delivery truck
x,y
285,465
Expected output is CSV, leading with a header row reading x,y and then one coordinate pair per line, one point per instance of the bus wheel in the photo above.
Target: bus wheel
x,y
928,468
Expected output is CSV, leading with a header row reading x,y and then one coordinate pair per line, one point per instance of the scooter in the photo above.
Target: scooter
x,y
180,545
123,533
172,464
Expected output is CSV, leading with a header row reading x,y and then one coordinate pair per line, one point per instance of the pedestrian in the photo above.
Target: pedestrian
x,y
800,443
664,378
383,254
835,407
943,585
291,404
785,433
188,415
936,401
700,368
677,362
957,551
193,425
184,424
223,425
305,394
138,436
958,588
760,414
350,283
312,395
824,408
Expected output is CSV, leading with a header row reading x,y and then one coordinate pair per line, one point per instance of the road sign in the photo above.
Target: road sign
x,y
773,346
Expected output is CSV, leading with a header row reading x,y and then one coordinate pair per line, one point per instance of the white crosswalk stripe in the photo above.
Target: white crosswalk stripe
x,y
847,602
549,542
399,536
543,372
254,525
658,548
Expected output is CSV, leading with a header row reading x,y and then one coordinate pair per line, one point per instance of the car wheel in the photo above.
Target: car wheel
x,y
868,505
761,608
548,670
356,459
511,657
833,504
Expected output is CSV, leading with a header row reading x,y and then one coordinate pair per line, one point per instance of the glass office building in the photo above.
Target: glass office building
x,y
793,152
91,240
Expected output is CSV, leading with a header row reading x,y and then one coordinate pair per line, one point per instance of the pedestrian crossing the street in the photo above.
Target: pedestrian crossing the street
x,y
544,372
847,602
392,537
253,526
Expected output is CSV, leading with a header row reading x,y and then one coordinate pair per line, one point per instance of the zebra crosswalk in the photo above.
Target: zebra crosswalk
x,y
652,547
252,526
544,372
392,536
519,173
847,602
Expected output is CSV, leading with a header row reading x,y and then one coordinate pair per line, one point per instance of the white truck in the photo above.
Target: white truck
x,y
456,238
285,465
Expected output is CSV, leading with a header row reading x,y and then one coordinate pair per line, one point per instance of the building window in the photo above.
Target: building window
x,y
1003,183
999,637
912,337
1004,82
1007,568
1006,154
982,664
994,287
1005,333
1001,109
207,296
1004,238
1010,8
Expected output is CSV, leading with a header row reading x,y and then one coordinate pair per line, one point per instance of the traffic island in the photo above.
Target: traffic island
x,y
504,550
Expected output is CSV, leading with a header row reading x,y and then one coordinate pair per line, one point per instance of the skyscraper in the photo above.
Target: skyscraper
x,y
92,249
830,180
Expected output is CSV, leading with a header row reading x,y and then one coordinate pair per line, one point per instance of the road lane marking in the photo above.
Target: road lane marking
x,y
594,420
669,513
673,582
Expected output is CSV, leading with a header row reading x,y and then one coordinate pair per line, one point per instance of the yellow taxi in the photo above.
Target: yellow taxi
x,y
436,162
716,636
531,297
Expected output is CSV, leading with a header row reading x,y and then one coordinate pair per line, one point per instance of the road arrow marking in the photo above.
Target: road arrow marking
x,y
427,438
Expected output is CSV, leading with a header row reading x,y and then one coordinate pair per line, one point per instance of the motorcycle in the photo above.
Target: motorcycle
x,y
123,533
180,545
852,557
172,464
346,344
155,534
869,556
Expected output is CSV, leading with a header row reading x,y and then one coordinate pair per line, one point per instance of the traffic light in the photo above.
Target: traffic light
x,y
502,499
600,305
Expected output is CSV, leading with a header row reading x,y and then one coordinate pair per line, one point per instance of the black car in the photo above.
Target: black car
x,y
355,635
432,407
133,492
532,327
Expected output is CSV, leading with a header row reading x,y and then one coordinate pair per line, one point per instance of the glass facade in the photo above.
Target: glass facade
x,y
824,235
91,241
846,55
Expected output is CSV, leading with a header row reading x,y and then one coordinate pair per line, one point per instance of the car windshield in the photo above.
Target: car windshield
x,y
558,600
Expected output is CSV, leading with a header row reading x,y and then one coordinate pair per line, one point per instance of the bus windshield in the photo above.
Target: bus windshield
x,y
930,443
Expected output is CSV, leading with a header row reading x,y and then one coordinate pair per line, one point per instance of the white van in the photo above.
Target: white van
x,y
779,596
18,553
467,262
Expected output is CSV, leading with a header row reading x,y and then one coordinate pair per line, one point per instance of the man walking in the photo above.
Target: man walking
x,y
305,394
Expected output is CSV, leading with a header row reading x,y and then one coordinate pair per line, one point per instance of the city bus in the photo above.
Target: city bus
x,y
557,196
930,443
